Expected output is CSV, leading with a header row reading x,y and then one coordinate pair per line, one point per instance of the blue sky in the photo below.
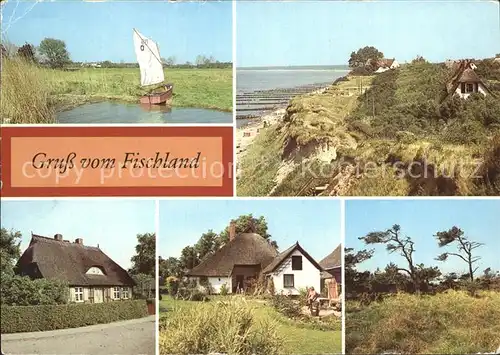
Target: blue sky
x,y
326,32
98,31
314,224
421,219
113,224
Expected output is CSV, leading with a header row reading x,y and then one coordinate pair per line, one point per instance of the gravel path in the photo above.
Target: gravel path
x,y
132,337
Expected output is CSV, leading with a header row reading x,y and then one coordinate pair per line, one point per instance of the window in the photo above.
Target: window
x,y
297,262
125,292
469,87
79,294
94,270
116,293
288,280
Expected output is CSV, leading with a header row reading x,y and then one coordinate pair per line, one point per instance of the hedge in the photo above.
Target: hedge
x,y
16,319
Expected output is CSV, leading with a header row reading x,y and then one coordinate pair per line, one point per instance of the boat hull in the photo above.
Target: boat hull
x,y
158,98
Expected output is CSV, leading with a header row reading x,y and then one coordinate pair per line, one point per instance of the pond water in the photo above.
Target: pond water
x,y
113,112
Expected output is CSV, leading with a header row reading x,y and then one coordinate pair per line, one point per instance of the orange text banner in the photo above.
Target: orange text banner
x,y
117,161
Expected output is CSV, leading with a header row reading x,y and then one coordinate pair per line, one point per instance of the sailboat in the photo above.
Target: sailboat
x,y
148,57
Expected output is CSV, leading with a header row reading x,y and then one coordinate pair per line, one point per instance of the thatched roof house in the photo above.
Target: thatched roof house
x,y
332,264
91,275
465,81
242,258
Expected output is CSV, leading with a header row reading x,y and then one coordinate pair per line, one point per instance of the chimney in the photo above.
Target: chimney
x,y
79,241
251,226
232,230
58,237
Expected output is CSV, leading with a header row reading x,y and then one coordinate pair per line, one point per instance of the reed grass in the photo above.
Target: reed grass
x,y
33,94
25,93
187,322
218,327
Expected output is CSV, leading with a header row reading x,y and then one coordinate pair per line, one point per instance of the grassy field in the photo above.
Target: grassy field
x,y
447,323
32,94
282,335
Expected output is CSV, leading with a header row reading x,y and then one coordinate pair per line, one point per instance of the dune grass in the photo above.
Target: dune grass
x,y
447,323
32,94
309,120
220,319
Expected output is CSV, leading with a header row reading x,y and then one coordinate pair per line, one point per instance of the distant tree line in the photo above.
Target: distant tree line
x,y
53,53
50,52
414,277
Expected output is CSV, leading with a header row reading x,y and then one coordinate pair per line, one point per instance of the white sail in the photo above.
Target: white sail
x,y
148,57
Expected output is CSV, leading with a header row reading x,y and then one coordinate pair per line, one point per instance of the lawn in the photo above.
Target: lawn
x,y
298,337
32,94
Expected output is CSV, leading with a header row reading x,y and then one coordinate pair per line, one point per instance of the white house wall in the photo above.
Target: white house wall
x,y
307,277
481,89
216,283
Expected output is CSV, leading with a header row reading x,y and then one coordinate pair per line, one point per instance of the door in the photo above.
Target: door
x,y
98,295
239,282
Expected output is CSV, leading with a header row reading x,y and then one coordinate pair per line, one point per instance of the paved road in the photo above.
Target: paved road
x,y
133,337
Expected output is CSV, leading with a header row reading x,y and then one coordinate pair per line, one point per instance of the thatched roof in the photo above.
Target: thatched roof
x,y
68,261
285,254
333,260
246,249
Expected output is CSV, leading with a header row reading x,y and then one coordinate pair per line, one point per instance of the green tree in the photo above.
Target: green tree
x,y
208,244
356,282
169,267
10,250
359,58
55,52
27,52
464,245
189,258
144,286
143,262
396,242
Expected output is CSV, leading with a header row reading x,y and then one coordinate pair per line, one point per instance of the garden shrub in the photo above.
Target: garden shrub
x,y
23,291
189,291
172,285
15,319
